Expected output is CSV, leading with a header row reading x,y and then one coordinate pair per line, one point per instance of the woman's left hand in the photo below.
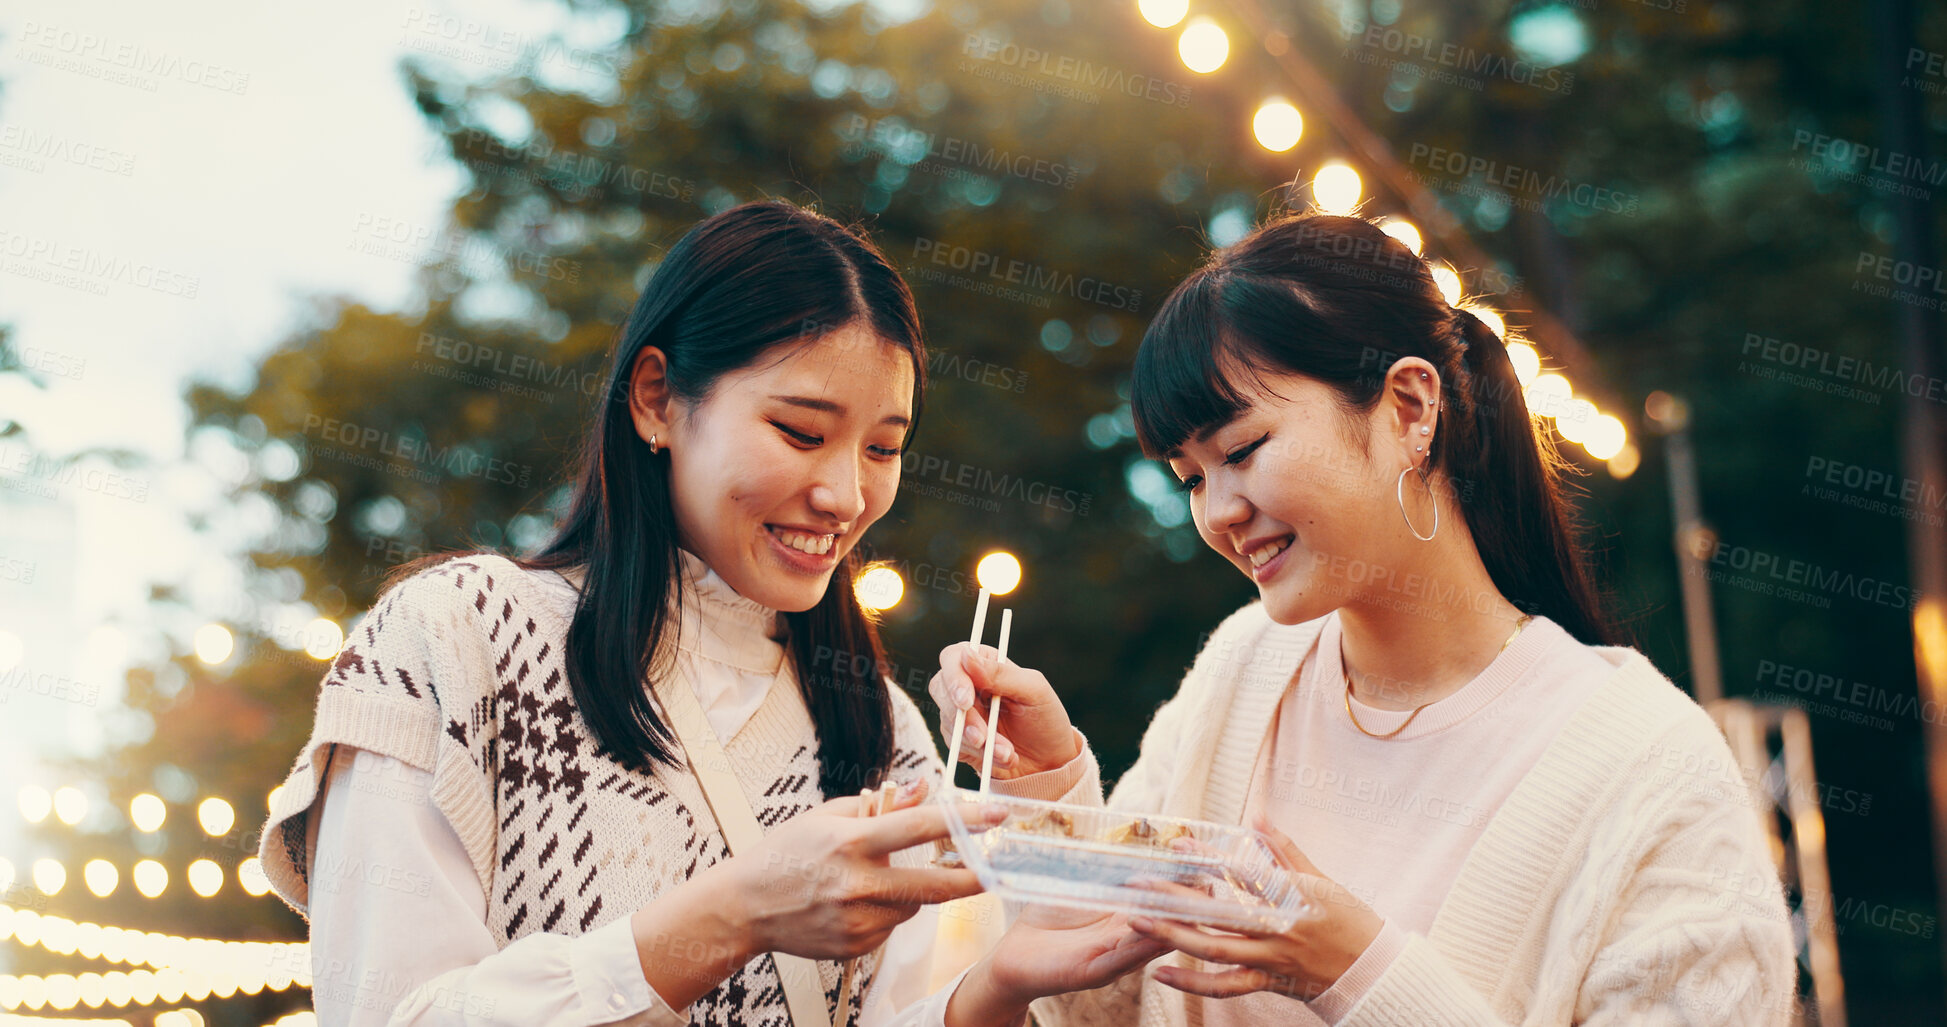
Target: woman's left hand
x,y
1301,962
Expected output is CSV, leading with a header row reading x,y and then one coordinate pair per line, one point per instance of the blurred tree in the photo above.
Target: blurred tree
x,y
1067,137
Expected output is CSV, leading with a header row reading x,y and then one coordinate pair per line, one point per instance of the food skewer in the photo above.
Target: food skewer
x,y
960,713
994,710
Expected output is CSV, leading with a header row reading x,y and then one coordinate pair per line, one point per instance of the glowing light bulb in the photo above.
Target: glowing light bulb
x,y
1404,232
205,877
216,816
1203,46
214,643
147,812
1605,437
998,572
1448,281
35,803
1527,363
151,878
70,805
1278,126
1163,13
101,877
879,588
1336,188
49,876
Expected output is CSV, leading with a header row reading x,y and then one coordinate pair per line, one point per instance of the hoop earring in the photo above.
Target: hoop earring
x,y
1399,490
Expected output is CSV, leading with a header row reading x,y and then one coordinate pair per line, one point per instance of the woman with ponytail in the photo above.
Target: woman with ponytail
x,y
622,780
1502,815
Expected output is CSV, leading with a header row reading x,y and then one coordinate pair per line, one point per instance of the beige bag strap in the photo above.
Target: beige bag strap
x,y
803,995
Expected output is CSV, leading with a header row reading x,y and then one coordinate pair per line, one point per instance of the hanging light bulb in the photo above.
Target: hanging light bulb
x,y
879,588
1337,188
150,879
1527,363
205,877
1278,125
1163,13
70,805
147,812
101,877
216,816
1404,232
1203,46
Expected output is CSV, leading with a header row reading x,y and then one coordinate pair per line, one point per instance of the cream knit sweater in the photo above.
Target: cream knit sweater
x,y
459,671
1613,887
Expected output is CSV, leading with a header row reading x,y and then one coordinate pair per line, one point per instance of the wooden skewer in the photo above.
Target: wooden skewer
x,y
994,711
960,714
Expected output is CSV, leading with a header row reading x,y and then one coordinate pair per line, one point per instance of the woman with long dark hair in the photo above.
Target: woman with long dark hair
x,y
621,781
1506,816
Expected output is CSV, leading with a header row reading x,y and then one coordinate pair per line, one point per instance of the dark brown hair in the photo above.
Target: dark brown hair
x,y
1338,301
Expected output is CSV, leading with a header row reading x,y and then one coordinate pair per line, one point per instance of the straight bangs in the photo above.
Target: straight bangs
x,y
1181,383
1217,330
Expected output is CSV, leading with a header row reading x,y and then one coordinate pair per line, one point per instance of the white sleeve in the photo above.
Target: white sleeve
x,y
899,993
399,929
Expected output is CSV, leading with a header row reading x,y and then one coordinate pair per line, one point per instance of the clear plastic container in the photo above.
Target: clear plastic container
x,y
1088,857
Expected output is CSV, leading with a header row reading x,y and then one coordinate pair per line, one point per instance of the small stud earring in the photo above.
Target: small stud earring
x,y
1423,376
652,445
1419,449
1424,430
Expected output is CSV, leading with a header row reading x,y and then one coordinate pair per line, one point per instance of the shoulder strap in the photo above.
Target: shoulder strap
x,y
803,995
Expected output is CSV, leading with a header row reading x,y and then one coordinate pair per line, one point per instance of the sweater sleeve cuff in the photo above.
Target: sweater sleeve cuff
x,y
1334,1002
608,976
1077,781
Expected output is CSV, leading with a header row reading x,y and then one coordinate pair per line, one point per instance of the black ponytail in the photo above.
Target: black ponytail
x,y
1339,301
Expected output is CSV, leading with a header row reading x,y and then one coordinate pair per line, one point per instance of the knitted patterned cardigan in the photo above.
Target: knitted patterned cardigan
x,y
458,670
1625,881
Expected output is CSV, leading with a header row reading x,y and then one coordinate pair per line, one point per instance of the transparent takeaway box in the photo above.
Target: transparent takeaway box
x,y
1088,857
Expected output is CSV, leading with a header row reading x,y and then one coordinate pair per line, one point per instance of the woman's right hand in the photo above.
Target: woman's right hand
x,y
823,887
1035,733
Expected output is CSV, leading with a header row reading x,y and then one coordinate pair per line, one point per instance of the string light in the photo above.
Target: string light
x,y
1203,46
35,803
147,812
879,588
205,877
1336,188
1404,232
216,816
214,643
198,967
1277,125
70,805
1163,13
150,878
101,877
49,876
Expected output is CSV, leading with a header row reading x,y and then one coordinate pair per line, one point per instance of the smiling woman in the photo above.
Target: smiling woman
x,y
608,769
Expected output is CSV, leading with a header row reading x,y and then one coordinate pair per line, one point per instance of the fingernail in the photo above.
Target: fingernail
x,y
1141,923
910,788
973,734
964,695
1003,749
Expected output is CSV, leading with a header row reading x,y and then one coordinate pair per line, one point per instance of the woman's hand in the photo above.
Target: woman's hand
x,y
1035,732
1301,962
820,886
1048,951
